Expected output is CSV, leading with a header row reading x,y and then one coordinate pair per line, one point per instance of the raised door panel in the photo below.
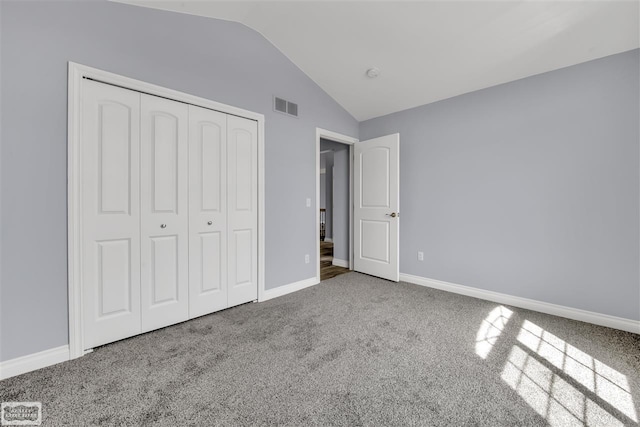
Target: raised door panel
x,y
109,182
114,278
164,207
375,178
374,241
211,251
164,143
243,213
209,157
114,151
165,270
207,211
242,253
376,217
242,147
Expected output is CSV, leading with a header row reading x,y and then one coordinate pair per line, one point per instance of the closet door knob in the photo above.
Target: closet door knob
x,y
210,222
163,225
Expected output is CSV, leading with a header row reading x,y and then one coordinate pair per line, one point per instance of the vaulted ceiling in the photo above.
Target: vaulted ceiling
x,y
426,51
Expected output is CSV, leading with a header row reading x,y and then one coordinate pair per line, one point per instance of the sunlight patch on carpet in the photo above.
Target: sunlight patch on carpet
x,y
582,391
490,330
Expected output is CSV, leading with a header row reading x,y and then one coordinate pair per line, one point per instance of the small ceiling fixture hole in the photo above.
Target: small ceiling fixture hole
x,y
373,72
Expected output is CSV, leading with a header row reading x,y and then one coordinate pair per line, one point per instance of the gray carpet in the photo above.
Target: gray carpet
x,y
354,350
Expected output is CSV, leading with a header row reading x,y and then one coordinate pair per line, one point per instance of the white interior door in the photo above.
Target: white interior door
x,y
110,143
164,212
376,216
242,210
207,211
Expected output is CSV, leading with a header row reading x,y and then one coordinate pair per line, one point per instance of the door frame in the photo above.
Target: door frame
x,y
77,72
347,140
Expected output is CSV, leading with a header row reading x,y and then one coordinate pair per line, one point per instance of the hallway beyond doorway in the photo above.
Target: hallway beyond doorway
x,y
327,269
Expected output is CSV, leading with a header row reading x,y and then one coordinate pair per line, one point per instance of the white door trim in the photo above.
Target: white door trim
x,y
343,139
74,203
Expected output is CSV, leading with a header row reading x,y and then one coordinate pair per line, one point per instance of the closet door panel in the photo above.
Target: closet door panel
x,y
165,217
207,211
242,210
211,254
109,150
165,270
114,283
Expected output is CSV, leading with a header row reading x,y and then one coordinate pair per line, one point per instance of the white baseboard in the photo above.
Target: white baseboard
x,y
328,239
543,307
31,362
340,263
287,289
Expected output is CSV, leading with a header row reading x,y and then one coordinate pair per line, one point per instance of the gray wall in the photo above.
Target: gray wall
x,y
530,188
219,60
340,197
326,191
323,184
328,179
326,187
341,204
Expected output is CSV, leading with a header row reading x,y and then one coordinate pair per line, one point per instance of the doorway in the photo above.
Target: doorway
x,y
334,209
334,200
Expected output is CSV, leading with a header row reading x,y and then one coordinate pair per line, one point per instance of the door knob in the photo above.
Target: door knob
x,y
163,225
393,214
210,222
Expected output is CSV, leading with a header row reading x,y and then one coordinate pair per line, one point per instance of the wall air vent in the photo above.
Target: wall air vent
x,y
286,107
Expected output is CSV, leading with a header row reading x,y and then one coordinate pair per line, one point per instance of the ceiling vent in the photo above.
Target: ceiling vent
x,y
283,106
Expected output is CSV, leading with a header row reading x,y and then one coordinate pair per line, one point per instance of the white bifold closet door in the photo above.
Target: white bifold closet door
x,y
110,170
223,185
242,210
207,211
169,212
164,163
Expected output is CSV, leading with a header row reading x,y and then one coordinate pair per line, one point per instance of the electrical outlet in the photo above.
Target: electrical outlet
x,y
308,202
306,259
420,256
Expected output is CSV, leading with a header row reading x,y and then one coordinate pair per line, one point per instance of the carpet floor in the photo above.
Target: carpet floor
x,y
353,350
